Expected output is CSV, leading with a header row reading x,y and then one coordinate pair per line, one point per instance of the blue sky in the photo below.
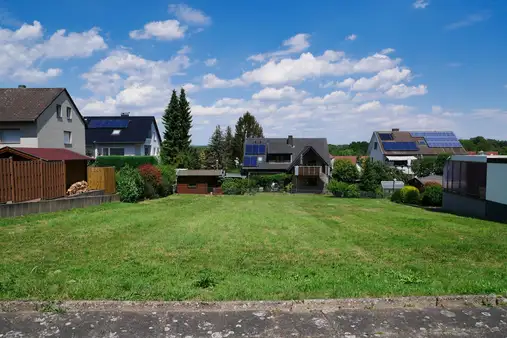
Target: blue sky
x,y
338,69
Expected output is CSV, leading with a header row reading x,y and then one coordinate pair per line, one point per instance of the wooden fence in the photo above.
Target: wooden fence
x,y
102,178
29,180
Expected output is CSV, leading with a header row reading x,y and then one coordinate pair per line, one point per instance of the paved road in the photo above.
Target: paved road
x,y
430,322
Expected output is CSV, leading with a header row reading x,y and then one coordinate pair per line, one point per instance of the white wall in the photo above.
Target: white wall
x,y
375,154
496,184
50,128
28,131
153,141
129,149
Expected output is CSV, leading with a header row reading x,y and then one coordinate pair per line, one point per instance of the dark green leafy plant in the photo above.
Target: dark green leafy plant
x,y
345,171
129,184
352,191
432,196
120,161
410,195
396,197
337,188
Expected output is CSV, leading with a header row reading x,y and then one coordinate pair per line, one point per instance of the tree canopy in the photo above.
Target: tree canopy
x,y
247,126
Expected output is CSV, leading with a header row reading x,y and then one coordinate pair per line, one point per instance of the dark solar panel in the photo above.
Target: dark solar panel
x,y
444,144
246,161
426,134
402,146
386,137
249,149
262,149
255,150
108,124
253,161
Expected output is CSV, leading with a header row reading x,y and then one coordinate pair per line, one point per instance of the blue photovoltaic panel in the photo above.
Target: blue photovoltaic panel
x,y
444,144
255,149
432,134
386,137
249,149
108,124
262,149
253,161
250,161
246,161
390,146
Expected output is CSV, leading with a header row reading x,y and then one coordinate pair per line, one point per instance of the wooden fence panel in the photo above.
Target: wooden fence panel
x,y
27,180
102,178
5,180
53,174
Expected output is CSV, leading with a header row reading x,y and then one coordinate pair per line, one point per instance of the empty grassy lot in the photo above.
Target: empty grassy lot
x,y
249,247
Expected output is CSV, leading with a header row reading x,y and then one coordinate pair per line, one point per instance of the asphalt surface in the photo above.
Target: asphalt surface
x,y
351,323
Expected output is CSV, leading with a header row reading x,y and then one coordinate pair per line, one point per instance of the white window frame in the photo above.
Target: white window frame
x,y
58,111
70,137
69,113
2,140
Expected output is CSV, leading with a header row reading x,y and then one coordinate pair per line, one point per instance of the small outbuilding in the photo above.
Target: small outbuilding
x,y
199,181
419,182
476,186
75,165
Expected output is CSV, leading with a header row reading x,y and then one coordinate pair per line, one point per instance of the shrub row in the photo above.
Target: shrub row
x,y
342,189
120,161
432,195
147,181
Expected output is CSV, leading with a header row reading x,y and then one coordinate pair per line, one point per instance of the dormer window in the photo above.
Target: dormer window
x,y
116,132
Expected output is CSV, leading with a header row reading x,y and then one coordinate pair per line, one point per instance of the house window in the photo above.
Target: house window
x,y
147,150
69,113
117,151
311,182
58,111
10,136
67,137
116,132
104,152
375,145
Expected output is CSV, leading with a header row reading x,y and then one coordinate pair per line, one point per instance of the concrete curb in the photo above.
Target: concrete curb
x,y
309,305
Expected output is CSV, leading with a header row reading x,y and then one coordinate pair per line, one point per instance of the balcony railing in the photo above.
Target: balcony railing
x,y
307,170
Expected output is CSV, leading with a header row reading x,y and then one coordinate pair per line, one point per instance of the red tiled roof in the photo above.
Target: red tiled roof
x,y
352,159
53,154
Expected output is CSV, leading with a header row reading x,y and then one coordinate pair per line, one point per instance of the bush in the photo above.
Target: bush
x,y
410,195
345,171
231,186
168,173
120,161
337,188
288,187
165,189
396,197
265,180
149,191
352,191
129,184
151,174
432,196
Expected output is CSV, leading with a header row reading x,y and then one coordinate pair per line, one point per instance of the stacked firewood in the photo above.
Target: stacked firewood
x,y
78,188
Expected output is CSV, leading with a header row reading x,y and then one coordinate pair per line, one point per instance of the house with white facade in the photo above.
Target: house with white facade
x,y
40,118
122,135
399,148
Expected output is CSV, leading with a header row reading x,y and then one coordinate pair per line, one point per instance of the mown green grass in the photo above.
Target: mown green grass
x,y
249,247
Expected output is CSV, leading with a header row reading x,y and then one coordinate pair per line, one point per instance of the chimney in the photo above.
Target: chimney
x,y
396,129
126,113
290,141
21,86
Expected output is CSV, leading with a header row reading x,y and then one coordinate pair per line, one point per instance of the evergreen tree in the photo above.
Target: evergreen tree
x,y
185,123
369,179
216,149
228,148
247,126
169,150
203,159
189,159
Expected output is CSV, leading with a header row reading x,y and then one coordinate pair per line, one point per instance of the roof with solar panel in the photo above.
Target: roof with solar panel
x,y
257,150
397,142
119,129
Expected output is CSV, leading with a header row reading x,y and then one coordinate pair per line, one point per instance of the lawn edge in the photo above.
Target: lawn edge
x,y
285,306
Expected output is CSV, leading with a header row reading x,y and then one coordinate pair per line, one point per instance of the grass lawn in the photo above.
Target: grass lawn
x,y
249,247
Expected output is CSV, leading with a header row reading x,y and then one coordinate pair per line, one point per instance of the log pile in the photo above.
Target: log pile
x,y
78,188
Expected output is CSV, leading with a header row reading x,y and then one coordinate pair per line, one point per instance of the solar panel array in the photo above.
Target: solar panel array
x,y
250,161
108,124
386,137
255,149
439,139
432,134
402,146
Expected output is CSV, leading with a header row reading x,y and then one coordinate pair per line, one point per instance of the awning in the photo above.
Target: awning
x,y
401,158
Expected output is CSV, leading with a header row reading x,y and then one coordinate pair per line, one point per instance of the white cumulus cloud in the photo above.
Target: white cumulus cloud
x,y
276,94
210,62
402,91
189,15
351,37
162,30
420,4
295,44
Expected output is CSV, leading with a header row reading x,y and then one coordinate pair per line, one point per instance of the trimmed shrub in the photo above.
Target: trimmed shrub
x,y
120,161
150,174
432,196
165,189
168,173
345,171
129,184
149,191
410,195
337,188
352,191
231,186
396,197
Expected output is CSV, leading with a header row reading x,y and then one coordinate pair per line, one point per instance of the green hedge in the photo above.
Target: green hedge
x,y
120,161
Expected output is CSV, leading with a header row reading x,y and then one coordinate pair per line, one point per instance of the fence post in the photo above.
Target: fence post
x,y
11,164
41,170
